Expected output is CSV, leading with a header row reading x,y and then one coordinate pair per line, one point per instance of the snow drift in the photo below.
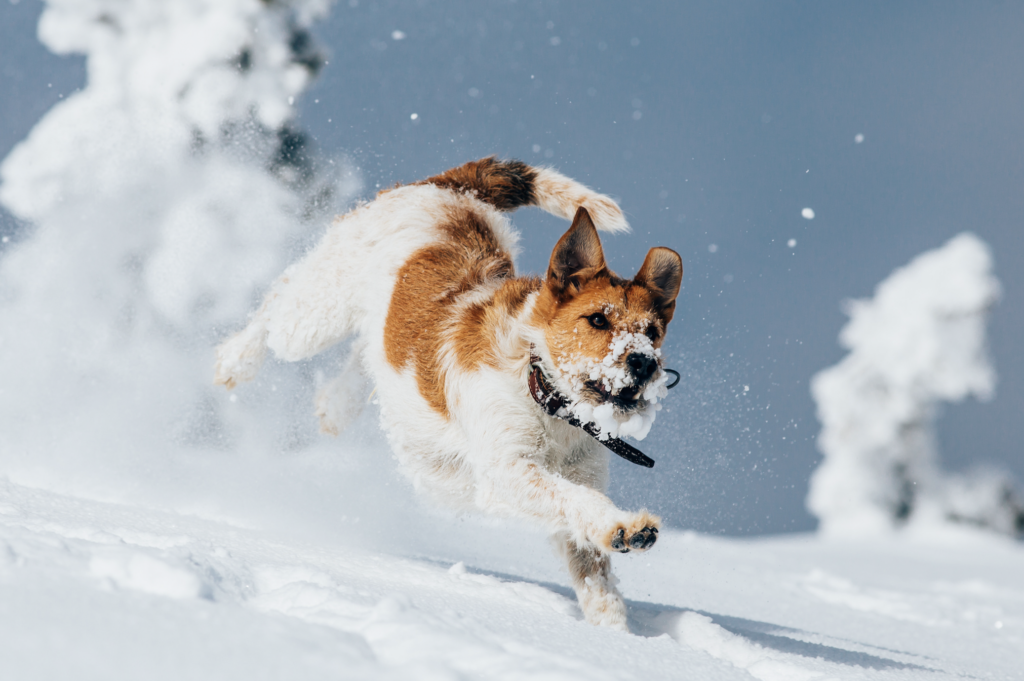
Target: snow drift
x,y
919,342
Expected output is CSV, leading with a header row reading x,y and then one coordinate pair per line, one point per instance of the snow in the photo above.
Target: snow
x,y
918,342
99,590
807,213
610,373
162,197
153,528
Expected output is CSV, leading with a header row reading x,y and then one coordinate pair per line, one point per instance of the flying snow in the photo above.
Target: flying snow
x,y
148,245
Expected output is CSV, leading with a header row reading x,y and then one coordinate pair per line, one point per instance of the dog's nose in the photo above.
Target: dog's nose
x,y
642,366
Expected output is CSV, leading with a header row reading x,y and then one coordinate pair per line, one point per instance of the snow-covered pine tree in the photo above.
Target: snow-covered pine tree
x,y
919,342
159,199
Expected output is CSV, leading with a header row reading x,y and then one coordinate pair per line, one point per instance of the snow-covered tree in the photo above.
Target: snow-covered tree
x,y
160,197
919,342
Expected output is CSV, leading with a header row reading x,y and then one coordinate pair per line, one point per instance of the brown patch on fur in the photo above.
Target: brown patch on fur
x,y
506,185
426,296
475,334
582,562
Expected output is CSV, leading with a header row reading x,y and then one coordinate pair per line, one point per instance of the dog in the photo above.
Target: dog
x,y
497,392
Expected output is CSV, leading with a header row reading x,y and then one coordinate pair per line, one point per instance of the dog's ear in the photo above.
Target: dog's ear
x,y
577,257
662,273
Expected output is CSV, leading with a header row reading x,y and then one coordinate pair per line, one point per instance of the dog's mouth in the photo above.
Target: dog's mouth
x,y
627,399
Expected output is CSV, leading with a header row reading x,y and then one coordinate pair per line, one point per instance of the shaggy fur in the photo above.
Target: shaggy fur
x,y
424,277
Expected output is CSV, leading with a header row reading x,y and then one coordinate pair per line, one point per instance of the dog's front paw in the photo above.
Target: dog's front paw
x,y
638,533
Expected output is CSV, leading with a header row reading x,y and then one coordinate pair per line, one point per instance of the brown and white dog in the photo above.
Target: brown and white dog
x,y
423,276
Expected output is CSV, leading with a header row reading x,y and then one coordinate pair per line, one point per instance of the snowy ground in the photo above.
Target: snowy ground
x,y
96,590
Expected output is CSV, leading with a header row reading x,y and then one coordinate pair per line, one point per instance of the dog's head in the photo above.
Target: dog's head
x,y
603,334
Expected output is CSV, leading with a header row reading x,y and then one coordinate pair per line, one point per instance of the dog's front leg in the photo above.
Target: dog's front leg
x,y
591,573
587,527
516,483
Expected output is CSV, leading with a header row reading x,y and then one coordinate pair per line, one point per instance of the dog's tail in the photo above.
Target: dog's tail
x,y
508,185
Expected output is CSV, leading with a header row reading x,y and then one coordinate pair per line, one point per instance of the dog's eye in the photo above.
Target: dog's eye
x,y
651,332
598,321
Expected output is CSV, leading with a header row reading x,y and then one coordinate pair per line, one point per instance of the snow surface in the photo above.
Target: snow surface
x,y
98,590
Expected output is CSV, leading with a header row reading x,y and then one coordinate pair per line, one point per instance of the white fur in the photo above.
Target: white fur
x,y
559,195
498,452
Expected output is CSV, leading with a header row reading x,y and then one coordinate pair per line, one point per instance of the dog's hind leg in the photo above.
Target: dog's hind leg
x,y
594,583
341,400
309,308
240,357
314,304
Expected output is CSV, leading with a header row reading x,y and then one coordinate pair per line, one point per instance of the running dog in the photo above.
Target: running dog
x,y
497,393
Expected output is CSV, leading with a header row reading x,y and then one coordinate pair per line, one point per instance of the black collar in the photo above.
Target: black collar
x,y
553,404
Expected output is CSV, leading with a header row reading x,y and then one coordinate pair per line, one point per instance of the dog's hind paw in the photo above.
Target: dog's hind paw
x,y
240,357
637,534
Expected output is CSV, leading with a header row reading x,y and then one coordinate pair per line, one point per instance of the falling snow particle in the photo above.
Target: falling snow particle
x,y
414,116
858,138
791,243
808,213
555,41
712,248
536,148
637,115
397,35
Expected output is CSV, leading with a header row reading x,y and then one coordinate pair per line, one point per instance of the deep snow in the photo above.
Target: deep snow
x,y
98,590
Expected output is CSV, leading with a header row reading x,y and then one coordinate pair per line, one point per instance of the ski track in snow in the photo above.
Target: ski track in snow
x,y
98,590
